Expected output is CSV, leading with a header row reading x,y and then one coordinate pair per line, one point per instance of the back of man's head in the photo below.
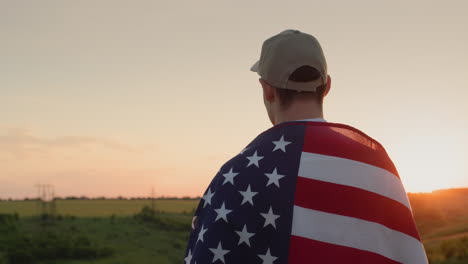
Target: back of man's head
x,y
302,74
293,74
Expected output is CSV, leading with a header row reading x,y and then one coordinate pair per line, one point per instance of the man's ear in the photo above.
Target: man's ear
x,y
328,86
268,91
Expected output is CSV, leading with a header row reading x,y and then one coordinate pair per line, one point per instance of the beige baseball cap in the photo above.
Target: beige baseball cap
x,y
283,53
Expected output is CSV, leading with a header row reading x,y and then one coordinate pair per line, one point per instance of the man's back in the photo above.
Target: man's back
x,y
303,192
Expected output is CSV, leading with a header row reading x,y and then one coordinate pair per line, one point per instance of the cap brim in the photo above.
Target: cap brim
x,y
254,67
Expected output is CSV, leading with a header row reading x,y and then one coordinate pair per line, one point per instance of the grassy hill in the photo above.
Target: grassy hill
x,y
442,220
440,213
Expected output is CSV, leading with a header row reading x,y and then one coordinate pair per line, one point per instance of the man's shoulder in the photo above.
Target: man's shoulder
x,y
278,141
312,128
347,142
336,133
327,138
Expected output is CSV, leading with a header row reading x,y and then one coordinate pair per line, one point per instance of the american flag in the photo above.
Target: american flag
x,y
306,192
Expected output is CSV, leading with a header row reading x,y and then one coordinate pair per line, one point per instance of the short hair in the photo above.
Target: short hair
x,y
301,74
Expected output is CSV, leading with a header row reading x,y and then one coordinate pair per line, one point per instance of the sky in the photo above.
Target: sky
x,y
109,98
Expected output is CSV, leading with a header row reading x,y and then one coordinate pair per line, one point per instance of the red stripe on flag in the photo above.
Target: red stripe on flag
x,y
346,142
354,202
304,251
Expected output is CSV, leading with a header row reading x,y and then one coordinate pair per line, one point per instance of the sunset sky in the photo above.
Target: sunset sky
x,y
114,97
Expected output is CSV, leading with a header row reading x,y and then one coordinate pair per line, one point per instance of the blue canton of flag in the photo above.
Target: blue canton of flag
x,y
246,212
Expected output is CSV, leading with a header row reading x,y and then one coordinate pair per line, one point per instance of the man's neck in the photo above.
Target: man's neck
x,y
299,111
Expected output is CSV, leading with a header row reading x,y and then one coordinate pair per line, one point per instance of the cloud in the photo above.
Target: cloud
x,y
20,143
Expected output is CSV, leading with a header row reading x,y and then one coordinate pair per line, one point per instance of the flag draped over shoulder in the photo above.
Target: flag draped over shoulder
x,y
306,192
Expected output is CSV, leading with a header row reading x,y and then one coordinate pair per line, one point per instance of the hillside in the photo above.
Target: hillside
x,y
441,212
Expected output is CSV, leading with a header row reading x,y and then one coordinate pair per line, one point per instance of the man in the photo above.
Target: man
x,y
305,190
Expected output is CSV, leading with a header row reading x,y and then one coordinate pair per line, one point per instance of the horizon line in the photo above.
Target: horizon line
x,y
162,197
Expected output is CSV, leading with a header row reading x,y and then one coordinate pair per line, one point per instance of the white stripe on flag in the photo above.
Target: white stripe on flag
x,y
352,173
357,233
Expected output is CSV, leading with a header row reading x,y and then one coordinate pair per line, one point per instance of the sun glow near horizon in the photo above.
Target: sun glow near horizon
x,y
428,165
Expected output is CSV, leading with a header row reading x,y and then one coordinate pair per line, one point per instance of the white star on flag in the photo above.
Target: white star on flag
x,y
189,257
222,213
247,195
244,236
274,177
281,144
267,258
207,198
219,252
253,160
201,233
230,176
270,218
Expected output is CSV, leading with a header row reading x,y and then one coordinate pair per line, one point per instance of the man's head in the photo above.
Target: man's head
x,y
293,75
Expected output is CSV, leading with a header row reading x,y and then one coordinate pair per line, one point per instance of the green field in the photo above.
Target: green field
x,y
107,223
128,239
126,234
97,208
